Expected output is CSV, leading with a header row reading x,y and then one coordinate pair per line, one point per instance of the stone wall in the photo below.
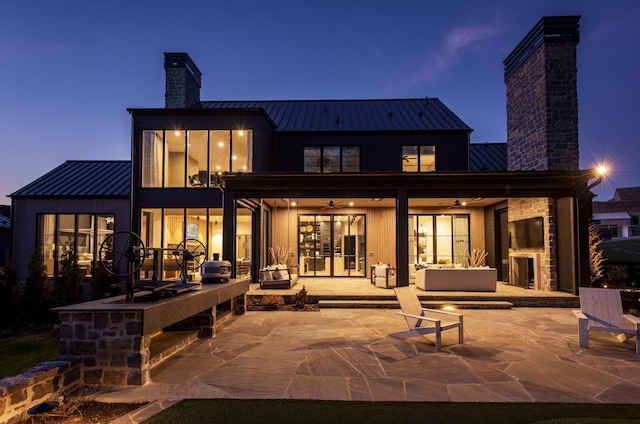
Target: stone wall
x,y
531,208
111,346
542,112
42,383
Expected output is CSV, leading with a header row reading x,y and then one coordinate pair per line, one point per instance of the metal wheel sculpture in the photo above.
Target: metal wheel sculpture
x,y
122,253
190,254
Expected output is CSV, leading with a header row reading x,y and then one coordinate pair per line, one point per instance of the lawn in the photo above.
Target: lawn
x,y
314,411
627,250
22,352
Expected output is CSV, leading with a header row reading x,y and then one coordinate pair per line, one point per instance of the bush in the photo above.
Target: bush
x,y
37,298
9,296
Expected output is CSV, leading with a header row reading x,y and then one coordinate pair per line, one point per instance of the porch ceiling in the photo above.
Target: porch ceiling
x,y
436,189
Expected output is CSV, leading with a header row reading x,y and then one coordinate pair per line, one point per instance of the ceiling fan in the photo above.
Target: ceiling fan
x,y
331,205
460,204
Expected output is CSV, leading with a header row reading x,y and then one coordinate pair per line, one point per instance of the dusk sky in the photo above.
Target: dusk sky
x,y
69,69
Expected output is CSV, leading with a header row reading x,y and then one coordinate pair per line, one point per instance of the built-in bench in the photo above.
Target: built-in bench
x,y
113,338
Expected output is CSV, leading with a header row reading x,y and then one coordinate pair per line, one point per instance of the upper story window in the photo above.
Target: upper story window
x,y
332,159
192,158
419,158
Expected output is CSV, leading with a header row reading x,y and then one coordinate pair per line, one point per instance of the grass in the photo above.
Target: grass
x,y
627,250
22,352
314,411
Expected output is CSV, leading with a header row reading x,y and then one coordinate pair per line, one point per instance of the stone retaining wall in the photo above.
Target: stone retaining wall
x,y
42,383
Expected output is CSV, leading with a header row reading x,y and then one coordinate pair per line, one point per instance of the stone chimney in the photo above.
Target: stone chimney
x,y
182,81
542,97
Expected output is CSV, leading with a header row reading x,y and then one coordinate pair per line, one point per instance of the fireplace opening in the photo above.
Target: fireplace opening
x,y
523,272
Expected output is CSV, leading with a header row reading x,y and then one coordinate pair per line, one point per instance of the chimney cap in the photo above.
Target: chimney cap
x,y
549,29
182,61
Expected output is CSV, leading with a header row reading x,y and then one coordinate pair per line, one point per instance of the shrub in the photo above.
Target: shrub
x,y
37,297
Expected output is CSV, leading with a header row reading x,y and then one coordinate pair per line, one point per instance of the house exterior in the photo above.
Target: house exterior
x,y
74,207
618,217
336,186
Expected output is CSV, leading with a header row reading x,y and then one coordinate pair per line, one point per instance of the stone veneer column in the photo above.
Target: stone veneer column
x,y
110,344
542,121
544,207
542,98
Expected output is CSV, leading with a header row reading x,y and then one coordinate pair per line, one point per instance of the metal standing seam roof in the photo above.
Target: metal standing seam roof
x,y
82,178
426,114
487,157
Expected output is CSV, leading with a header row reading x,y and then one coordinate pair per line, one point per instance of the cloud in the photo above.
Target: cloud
x,y
456,43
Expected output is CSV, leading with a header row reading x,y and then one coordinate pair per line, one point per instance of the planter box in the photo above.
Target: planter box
x,y
457,279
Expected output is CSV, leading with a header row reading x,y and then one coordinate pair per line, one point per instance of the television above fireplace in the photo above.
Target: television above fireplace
x,y
526,233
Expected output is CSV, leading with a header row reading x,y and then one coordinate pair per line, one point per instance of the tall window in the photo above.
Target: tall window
x,y
72,236
332,159
177,158
419,158
442,239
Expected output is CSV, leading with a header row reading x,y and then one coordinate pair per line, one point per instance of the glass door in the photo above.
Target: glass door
x,y
332,245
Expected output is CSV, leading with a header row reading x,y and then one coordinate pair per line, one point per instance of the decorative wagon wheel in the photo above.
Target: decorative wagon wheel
x,y
190,254
122,253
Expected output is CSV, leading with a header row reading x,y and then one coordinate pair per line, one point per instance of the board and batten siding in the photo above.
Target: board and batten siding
x,y
25,212
380,229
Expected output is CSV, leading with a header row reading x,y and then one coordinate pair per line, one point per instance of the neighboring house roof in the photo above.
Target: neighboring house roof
x,y
487,157
624,200
615,215
5,222
627,194
426,114
82,178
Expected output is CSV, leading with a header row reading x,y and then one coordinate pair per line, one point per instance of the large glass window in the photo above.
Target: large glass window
x,y
190,158
439,239
72,236
419,158
162,230
332,159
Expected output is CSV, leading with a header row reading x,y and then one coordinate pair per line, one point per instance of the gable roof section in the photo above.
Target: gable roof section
x,y
82,178
628,193
487,157
427,114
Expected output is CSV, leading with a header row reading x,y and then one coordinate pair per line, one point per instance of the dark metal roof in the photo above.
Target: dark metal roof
x,y
487,157
82,178
5,221
427,114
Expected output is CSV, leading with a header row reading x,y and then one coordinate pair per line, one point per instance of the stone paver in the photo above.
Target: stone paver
x,y
518,355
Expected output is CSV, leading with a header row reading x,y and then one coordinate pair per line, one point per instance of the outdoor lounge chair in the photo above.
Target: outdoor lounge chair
x,y
601,310
415,316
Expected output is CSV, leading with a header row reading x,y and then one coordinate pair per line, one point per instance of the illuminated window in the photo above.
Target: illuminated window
x,y
177,158
419,158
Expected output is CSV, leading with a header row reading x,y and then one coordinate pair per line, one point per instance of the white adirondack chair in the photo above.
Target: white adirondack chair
x,y
601,310
415,316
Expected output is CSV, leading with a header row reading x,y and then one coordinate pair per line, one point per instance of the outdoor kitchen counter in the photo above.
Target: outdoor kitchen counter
x,y
113,337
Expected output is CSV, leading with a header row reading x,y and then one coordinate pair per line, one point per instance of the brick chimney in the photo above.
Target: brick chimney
x,y
542,97
183,80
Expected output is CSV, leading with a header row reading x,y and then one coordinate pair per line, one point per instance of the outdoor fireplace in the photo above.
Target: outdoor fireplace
x,y
523,270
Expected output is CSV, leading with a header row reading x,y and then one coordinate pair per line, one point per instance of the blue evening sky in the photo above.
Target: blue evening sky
x,y
69,68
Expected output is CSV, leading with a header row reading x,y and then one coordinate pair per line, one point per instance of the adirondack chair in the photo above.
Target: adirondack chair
x,y
415,316
601,310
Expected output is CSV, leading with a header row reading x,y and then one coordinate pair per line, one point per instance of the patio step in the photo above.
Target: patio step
x,y
393,304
